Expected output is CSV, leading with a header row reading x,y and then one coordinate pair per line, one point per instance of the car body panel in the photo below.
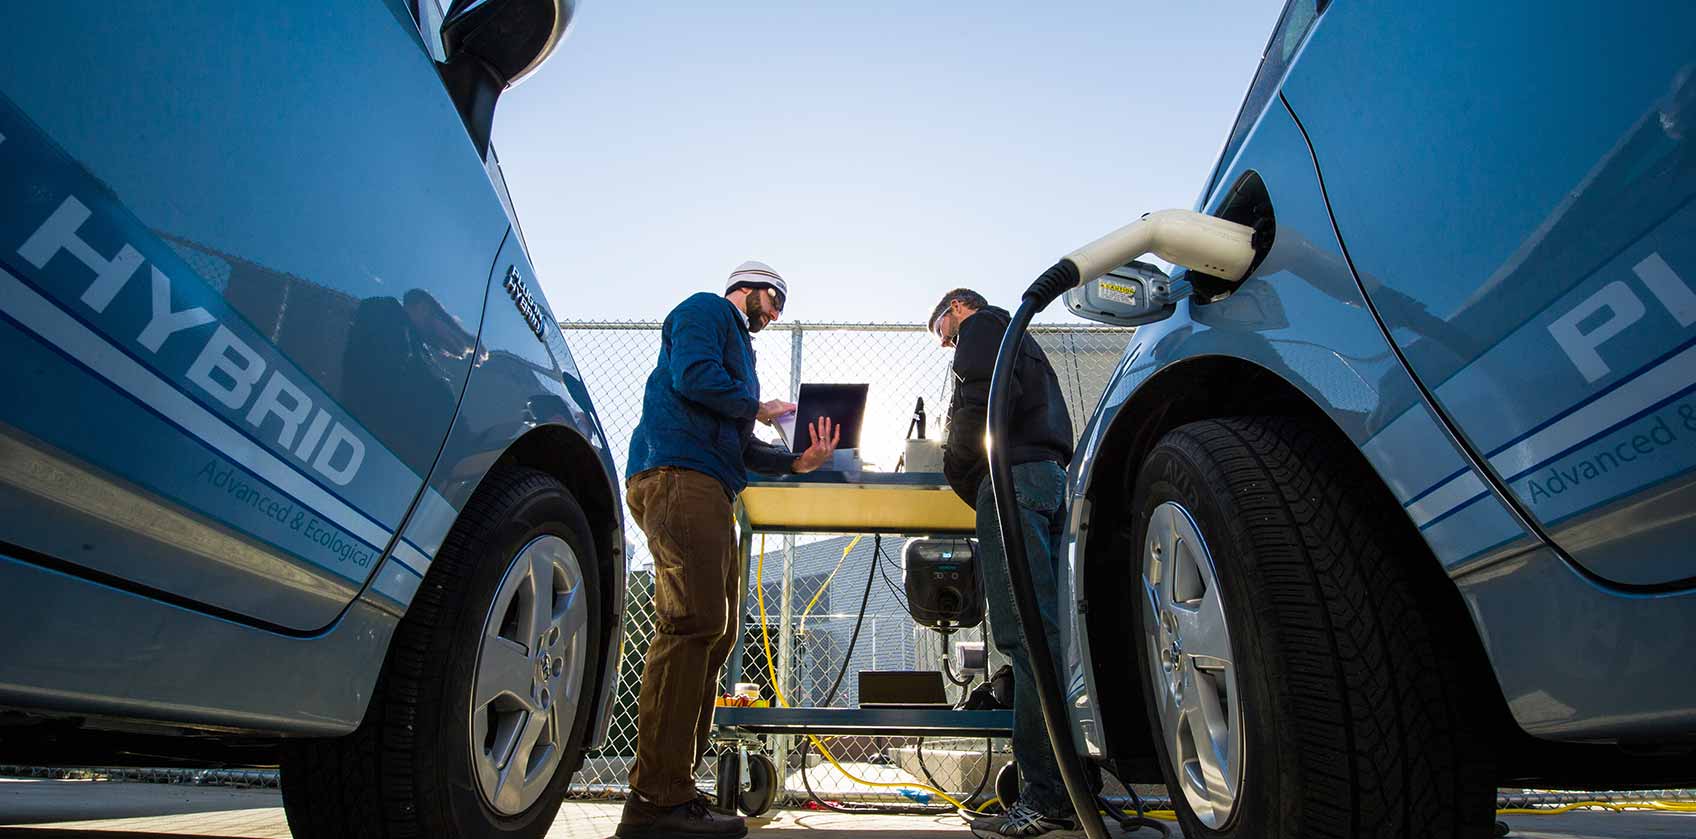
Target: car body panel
x,y
254,214
187,194
1534,258
521,381
179,665
1301,317
1531,606
1578,660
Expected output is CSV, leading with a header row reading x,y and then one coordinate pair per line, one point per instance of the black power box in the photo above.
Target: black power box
x,y
944,583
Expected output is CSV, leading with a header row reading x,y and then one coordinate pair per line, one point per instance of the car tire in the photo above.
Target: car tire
x,y
1296,677
451,703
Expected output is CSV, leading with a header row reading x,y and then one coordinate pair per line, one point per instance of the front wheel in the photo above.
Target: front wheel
x,y
1292,669
483,705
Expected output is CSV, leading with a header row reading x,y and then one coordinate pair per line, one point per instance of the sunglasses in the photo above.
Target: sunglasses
x,y
776,299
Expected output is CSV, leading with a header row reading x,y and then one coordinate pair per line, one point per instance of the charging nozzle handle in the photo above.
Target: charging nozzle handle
x,y
1195,240
1183,237
1053,282
1060,277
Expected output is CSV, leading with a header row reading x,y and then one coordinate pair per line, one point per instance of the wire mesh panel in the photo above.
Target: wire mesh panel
x,y
902,363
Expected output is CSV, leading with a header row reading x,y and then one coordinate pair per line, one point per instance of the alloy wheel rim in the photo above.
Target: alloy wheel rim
x,y
1191,664
528,678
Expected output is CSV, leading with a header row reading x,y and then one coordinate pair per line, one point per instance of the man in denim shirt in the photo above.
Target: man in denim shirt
x,y
689,458
1040,445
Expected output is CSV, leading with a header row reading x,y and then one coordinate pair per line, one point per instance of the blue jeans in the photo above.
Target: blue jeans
x,y
1041,490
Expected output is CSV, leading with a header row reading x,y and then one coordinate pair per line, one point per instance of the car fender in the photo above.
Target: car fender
x,y
525,404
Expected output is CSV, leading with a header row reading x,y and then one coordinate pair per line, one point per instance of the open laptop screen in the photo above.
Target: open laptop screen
x,y
844,404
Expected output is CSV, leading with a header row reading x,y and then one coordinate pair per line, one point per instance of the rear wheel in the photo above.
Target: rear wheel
x,y
483,706
1294,673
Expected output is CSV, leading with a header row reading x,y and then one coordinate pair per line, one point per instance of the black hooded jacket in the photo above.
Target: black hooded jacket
x,y
1041,427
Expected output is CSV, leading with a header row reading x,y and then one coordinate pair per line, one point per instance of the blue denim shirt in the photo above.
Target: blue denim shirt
x,y
699,404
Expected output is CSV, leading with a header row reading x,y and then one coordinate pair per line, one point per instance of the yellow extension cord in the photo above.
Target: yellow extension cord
x,y
1615,806
1164,815
822,586
771,671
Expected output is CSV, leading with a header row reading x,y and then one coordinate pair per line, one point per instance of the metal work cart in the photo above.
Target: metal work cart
x,y
884,503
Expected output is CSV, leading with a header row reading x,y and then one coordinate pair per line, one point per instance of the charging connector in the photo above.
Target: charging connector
x,y
1181,237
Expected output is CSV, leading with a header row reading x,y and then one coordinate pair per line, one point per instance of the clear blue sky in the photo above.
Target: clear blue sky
x,y
876,154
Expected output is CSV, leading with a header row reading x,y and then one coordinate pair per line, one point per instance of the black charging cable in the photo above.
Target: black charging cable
x,y
1053,282
948,666
983,781
1132,824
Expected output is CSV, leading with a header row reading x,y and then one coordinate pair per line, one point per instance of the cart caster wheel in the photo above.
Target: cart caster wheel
x,y
1502,828
762,786
1007,784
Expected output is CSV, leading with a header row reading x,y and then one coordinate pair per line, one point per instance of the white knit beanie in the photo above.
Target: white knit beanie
x,y
756,274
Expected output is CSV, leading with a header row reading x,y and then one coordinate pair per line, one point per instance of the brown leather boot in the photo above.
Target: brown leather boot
x,y
643,819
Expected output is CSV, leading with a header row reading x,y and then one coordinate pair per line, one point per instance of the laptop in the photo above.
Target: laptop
x,y
844,404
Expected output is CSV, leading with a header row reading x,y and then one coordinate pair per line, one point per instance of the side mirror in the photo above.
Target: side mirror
x,y
492,45
1130,295
511,37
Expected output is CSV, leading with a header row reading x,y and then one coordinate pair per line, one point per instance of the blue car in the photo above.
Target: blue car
x,y
1410,513
295,466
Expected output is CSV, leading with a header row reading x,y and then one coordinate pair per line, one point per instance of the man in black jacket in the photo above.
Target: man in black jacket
x,y
1040,444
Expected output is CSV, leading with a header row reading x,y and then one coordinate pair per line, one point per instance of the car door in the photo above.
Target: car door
x,y
1514,182
244,250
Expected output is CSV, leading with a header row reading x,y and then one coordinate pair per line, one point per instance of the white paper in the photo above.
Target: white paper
x,y
786,429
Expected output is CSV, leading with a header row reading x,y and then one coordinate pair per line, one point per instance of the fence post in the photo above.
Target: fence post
x,y
795,364
781,744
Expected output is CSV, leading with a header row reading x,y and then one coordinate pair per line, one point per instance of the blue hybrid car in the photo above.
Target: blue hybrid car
x,y
295,466
1410,513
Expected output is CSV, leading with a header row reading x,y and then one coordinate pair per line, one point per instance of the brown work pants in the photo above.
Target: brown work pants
x,y
692,537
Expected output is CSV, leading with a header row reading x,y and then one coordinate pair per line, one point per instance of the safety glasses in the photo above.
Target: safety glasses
x,y
936,329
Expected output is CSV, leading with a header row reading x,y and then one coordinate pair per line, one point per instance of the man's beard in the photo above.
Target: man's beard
x,y
757,318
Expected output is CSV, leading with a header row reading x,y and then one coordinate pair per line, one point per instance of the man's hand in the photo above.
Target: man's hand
x,y
825,435
770,411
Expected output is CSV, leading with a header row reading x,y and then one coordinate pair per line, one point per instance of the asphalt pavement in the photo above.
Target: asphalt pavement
x,y
53,809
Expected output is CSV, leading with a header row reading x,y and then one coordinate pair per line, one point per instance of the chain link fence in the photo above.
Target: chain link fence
x,y
902,363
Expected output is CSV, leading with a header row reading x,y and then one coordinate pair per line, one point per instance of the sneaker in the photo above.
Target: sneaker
x,y
643,819
1020,822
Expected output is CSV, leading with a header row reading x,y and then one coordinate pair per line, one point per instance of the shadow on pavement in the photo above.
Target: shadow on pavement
x,y
33,801
54,833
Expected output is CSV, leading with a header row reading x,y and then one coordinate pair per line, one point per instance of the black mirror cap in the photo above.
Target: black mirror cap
x,y
492,45
511,38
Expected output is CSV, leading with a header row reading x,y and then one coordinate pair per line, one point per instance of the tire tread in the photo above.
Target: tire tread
x,y
366,785
1383,736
